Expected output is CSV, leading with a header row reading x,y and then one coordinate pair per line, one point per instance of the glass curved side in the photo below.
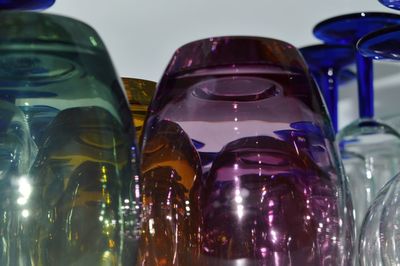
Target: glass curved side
x,y
379,241
80,202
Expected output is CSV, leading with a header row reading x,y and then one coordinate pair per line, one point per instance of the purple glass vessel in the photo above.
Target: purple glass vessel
x,y
239,162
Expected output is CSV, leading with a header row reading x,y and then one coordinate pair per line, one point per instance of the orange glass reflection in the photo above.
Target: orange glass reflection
x,y
170,170
139,92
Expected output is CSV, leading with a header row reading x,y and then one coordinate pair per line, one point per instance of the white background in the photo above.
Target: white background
x,y
141,35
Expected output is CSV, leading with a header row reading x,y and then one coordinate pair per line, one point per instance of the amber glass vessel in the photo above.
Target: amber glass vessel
x,y
239,162
139,92
171,166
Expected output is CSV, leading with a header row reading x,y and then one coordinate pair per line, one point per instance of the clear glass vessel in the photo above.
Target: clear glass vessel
x,y
70,185
379,241
239,162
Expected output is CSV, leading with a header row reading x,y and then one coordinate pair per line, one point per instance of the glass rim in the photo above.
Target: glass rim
x,y
16,29
202,53
31,5
326,46
356,15
132,79
232,37
372,35
313,54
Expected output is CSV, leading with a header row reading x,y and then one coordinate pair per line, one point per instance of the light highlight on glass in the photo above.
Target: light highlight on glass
x,y
139,92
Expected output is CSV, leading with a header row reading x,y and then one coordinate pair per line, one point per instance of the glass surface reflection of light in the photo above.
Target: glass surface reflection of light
x,y
24,187
25,213
22,201
25,190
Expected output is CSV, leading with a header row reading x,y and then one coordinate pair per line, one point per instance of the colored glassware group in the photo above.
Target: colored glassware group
x,y
238,161
70,187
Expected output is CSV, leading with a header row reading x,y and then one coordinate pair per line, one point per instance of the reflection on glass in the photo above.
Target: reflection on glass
x,y
259,209
379,241
139,92
171,167
65,168
39,118
239,162
17,151
76,200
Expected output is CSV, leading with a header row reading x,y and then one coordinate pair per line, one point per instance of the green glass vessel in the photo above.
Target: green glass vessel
x,y
70,190
139,92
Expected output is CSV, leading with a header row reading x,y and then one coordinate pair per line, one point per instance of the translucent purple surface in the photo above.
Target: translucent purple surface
x,y
273,200
272,193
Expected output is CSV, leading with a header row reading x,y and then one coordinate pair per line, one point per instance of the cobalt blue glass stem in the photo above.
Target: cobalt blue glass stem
x,y
333,91
323,83
329,83
327,62
365,75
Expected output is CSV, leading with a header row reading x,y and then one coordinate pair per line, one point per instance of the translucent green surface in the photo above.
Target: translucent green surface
x,y
70,194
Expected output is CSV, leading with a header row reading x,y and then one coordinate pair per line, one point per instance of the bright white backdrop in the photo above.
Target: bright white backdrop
x,y
141,35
